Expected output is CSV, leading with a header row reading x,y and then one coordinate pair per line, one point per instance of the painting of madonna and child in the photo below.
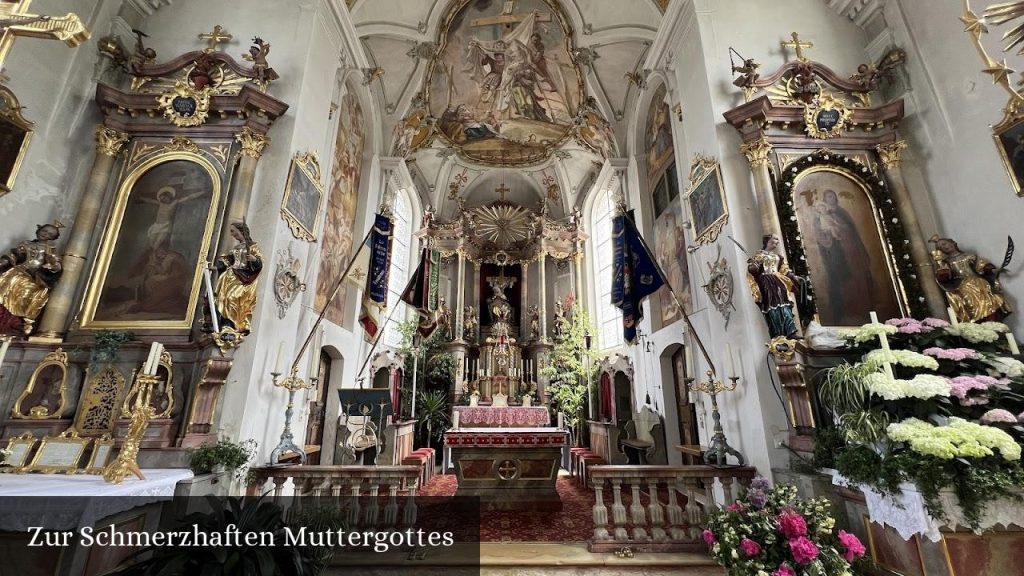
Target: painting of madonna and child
x,y
846,257
504,86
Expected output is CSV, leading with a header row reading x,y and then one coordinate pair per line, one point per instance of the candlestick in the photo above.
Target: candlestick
x,y
210,301
952,316
1010,341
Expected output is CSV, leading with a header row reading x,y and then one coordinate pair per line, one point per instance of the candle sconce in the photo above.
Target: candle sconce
x,y
292,384
719,447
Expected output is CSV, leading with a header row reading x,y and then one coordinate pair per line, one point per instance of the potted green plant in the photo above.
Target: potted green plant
x,y
570,369
224,455
432,414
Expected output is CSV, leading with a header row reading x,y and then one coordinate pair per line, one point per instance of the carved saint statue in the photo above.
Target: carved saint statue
x,y
971,283
534,322
258,56
27,274
239,270
774,287
559,320
469,323
444,318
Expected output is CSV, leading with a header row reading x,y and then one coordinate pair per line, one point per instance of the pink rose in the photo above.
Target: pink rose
x,y
804,551
749,547
709,538
854,549
792,525
735,507
784,570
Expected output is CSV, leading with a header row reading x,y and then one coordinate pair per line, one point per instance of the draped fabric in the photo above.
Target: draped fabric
x,y
607,400
396,393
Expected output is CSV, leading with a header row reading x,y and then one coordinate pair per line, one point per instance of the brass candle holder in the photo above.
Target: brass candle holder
x,y
719,447
137,406
292,384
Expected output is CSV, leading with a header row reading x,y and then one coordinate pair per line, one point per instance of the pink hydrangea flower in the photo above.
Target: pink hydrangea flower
x,y
976,401
709,538
935,323
852,544
792,525
998,415
804,551
899,321
1020,417
749,547
784,570
955,354
961,385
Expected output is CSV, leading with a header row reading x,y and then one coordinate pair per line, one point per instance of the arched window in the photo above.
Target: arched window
x,y
400,248
609,318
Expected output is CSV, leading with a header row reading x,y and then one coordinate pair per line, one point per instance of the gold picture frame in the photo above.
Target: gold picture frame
x,y
101,271
303,196
59,454
15,135
20,448
705,200
1009,138
102,454
58,359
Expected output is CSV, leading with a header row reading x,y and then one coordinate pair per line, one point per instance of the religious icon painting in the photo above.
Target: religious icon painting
x,y
658,132
847,258
15,134
706,200
1009,137
504,83
149,267
670,246
300,207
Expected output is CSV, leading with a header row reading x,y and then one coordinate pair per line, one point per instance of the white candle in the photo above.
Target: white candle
x,y
151,360
732,360
561,420
4,347
884,340
209,298
455,420
1010,341
280,352
952,316
156,359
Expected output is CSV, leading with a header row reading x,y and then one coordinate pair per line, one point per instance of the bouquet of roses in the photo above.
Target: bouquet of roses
x,y
770,532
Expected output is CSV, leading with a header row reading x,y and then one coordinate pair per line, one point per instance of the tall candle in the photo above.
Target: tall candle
x,y
561,420
277,362
885,346
4,347
210,300
150,360
732,360
952,316
455,420
1010,341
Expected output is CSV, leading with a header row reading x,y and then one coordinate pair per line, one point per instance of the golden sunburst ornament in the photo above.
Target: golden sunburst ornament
x,y
503,224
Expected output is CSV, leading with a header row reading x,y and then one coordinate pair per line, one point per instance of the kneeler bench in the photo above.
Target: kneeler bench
x,y
586,460
420,460
574,457
431,461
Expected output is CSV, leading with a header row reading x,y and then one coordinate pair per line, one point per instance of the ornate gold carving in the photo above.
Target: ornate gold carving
x,y
220,152
218,36
58,359
701,170
757,152
253,143
782,349
287,284
19,449
798,46
181,144
16,23
304,166
824,104
184,105
102,449
891,154
97,409
18,131
59,453
141,412
141,150
109,142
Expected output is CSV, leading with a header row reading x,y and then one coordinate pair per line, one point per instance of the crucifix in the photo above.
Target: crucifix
x,y
507,19
503,190
214,38
15,21
798,46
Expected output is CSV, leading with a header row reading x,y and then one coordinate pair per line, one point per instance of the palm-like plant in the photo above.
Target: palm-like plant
x,y
432,414
570,370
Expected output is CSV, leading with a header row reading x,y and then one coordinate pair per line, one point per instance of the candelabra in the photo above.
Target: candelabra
x,y
137,406
292,384
719,446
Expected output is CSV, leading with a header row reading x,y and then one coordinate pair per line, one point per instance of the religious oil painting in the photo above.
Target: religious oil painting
x,y
706,201
658,132
301,205
847,258
670,246
150,264
1010,141
342,196
15,135
504,84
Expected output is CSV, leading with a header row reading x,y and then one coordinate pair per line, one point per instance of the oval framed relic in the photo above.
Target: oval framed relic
x,y
45,395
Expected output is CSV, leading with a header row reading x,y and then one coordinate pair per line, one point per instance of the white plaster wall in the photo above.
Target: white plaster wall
x,y
953,159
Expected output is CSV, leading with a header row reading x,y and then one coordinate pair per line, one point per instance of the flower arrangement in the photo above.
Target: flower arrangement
x,y
771,531
936,405
4,455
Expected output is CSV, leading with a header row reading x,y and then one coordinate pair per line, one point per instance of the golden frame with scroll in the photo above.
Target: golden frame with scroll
x,y
1009,138
20,448
303,196
102,454
15,135
59,359
60,453
705,200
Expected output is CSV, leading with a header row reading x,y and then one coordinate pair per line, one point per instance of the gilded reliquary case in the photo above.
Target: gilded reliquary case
x,y
45,395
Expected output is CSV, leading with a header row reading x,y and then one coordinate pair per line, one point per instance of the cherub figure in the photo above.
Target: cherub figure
x,y
142,55
258,56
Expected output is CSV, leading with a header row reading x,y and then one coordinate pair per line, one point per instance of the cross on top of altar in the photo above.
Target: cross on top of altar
x,y
798,46
16,22
218,36
503,190
508,18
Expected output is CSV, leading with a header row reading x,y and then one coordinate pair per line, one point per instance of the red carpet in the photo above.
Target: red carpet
x,y
574,523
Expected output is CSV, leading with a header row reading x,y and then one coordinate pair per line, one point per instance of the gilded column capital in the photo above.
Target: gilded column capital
x,y
891,154
109,142
253,143
757,152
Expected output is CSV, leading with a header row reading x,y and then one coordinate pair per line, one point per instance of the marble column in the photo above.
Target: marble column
x,y
524,303
252,146
577,260
109,143
542,264
891,157
460,295
757,154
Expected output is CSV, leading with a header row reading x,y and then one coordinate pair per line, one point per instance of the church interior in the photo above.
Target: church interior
x,y
655,286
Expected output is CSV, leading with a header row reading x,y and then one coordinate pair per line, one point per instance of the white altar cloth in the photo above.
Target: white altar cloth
x,y
41,498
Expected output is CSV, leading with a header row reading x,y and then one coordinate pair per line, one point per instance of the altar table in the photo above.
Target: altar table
x,y
503,417
508,468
